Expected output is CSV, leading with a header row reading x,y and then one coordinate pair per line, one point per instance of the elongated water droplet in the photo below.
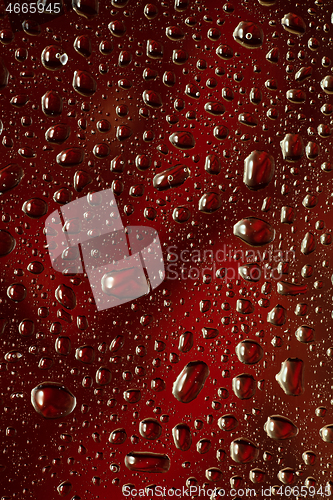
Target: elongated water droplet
x,y
145,461
259,169
291,376
190,381
255,232
182,438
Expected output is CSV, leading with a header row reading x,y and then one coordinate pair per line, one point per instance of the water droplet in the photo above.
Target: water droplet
x,y
287,475
171,178
85,354
182,140
309,457
86,8
255,232
327,84
82,45
182,437
52,400
152,99
190,381
84,83
70,157
249,35
132,395
7,243
215,108
103,376
227,423
52,104
58,133
257,476
285,288
17,292
259,169
154,49
305,334
250,272
145,461
65,296
53,58
279,427
213,474
277,316
174,33
291,376
292,147
244,386
249,352
64,488
150,428
296,96
185,342
224,52
293,24
125,284
308,244
203,446
209,203
243,451
4,75
181,214
10,177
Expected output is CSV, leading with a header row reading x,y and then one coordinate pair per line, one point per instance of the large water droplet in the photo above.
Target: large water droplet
x,y
255,232
7,243
292,147
35,208
243,451
190,381
171,178
65,296
52,400
84,83
294,24
305,334
249,352
182,437
258,170
291,376
244,386
279,427
249,35
150,428
145,461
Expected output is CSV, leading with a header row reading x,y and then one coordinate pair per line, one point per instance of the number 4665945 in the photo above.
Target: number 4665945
x,y
32,8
